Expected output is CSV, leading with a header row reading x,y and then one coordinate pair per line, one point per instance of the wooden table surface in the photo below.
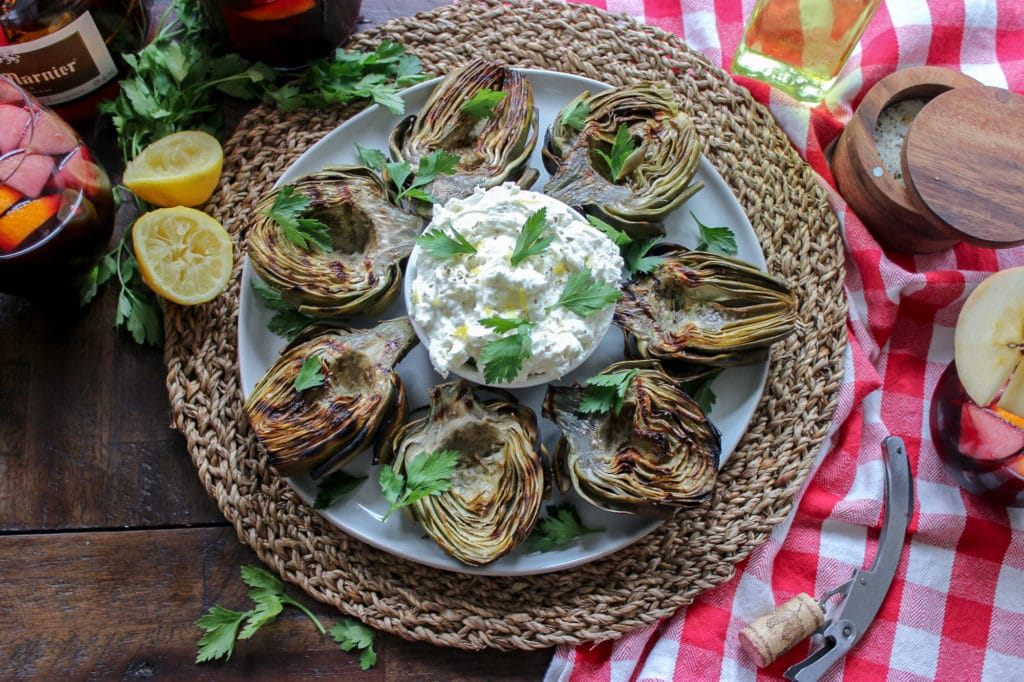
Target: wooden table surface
x,y
110,549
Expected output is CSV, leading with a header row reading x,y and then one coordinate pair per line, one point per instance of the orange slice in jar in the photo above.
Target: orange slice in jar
x,y
8,197
21,221
277,10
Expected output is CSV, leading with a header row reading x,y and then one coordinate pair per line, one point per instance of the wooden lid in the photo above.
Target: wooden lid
x,y
963,162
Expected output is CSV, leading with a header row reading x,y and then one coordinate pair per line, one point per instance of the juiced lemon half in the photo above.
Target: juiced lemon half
x,y
181,169
184,255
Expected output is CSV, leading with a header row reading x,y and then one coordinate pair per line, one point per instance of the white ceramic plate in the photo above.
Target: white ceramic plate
x,y
359,514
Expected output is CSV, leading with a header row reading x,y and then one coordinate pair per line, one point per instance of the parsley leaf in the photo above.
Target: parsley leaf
x,y
700,390
605,392
440,245
502,358
575,117
482,104
425,474
721,240
224,626
531,240
352,634
335,486
437,162
371,158
585,296
622,149
303,232
286,321
618,236
310,375
558,529
636,258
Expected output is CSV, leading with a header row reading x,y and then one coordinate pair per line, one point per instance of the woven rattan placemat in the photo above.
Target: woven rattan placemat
x,y
637,585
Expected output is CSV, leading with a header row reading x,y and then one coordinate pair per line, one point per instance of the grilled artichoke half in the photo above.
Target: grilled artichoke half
x,y
321,428
499,482
703,308
653,180
491,150
370,238
659,453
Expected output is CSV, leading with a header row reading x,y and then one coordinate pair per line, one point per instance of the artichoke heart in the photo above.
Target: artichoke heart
x,y
704,308
492,149
658,453
360,397
369,237
652,180
499,482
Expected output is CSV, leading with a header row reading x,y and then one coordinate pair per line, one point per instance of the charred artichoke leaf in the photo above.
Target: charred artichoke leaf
x,y
370,238
655,178
501,478
491,150
660,452
320,429
705,308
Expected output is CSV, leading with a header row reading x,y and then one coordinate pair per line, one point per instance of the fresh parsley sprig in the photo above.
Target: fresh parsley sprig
x,y
437,162
503,358
606,392
371,158
425,474
310,374
351,634
634,251
440,245
559,528
287,211
575,117
720,240
286,321
481,105
531,240
584,295
223,627
622,149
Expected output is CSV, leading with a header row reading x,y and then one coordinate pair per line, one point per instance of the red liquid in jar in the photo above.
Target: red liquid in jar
x,y
288,33
56,205
983,451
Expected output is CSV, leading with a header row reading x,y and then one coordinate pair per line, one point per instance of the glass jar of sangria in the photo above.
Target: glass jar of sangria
x,y
56,205
285,33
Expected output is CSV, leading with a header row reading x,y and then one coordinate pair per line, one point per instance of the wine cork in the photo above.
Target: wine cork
x,y
774,634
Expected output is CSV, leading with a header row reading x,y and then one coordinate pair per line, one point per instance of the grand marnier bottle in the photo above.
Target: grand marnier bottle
x,y
64,51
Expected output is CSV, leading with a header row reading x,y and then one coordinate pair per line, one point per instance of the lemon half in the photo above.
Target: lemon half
x,y
184,255
181,169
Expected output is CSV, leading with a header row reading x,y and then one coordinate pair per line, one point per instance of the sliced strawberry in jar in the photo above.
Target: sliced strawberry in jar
x,y
14,122
21,221
77,170
986,435
50,135
26,173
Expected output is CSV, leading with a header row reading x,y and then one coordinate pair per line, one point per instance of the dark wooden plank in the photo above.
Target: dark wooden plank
x,y
375,12
123,604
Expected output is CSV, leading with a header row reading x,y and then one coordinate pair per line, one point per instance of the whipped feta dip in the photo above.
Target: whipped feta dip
x,y
448,297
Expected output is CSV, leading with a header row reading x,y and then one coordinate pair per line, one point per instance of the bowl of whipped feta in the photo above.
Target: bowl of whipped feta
x,y
511,288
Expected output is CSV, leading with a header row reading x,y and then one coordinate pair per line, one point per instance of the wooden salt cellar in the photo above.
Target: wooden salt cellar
x,y
962,159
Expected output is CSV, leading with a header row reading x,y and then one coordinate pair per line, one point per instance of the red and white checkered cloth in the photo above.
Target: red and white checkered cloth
x,y
956,607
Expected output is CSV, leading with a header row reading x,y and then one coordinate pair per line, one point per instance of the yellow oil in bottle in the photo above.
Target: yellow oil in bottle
x,y
800,46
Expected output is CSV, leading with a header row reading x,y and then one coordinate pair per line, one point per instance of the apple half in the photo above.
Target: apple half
x,y
988,344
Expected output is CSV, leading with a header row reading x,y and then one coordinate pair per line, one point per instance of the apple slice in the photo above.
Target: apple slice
x,y
26,173
986,435
13,124
988,344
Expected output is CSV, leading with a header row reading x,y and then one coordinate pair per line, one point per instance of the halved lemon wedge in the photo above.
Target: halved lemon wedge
x,y
181,169
184,255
